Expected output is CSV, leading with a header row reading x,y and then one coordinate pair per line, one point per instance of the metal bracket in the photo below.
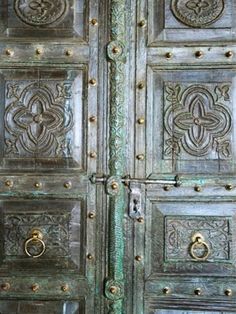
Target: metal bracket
x,y
135,201
127,180
135,189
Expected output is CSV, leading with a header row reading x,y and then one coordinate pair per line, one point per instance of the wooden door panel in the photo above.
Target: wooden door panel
x,y
175,232
188,312
53,19
41,307
62,233
195,108
43,118
177,21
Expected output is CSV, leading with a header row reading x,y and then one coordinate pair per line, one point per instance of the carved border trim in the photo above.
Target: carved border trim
x,y
114,286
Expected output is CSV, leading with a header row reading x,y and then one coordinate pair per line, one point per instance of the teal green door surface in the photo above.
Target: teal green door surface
x,y
117,157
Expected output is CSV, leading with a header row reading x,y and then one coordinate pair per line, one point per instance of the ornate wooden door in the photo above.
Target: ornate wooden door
x,y
49,115
184,103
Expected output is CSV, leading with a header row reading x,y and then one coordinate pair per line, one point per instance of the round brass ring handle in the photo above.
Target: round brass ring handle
x,y
36,237
199,242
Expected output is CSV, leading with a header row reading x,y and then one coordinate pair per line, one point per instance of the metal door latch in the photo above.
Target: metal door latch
x,y
135,189
135,201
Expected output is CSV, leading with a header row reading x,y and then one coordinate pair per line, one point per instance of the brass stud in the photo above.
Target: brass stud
x,y
93,82
35,287
166,188
229,187
229,54
138,258
197,188
65,288
114,186
5,286
113,289
228,292
166,290
69,53
68,185
141,121
91,215
9,183
142,23
92,154
169,55
94,22
116,50
90,256
93,119
199,54
38,185
198,291
141,85
140,219
140,157
39,51
9,52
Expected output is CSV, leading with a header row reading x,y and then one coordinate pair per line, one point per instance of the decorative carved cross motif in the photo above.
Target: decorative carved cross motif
x,y
40,6
197,5
37,122
197,121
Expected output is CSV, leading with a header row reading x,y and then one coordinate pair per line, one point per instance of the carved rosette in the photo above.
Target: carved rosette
x,y
37,123
40,12
197,121
197,13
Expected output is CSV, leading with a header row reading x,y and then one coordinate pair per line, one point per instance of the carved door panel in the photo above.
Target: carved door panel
x,y
48,149
184,237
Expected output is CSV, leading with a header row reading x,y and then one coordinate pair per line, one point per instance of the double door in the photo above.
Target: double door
x,y
117,157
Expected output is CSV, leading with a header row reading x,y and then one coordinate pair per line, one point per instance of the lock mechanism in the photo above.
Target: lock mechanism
x,y
135,189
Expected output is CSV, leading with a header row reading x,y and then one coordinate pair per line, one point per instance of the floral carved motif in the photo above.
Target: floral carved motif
x,y
37,121
54,228
197,13
198,121
40,12
179,232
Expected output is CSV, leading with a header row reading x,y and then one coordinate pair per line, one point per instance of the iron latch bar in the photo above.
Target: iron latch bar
x,y
127,180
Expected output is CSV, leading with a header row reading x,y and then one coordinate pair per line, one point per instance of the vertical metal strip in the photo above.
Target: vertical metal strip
x,y
114,288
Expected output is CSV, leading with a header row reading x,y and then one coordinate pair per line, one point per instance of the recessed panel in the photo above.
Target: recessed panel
x,y
42,235
183,20
192,238
42,119
193,129
41,307
46,18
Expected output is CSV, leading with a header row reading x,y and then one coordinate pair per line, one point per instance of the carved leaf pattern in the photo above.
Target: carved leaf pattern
x,y
38,124
198,121
179,232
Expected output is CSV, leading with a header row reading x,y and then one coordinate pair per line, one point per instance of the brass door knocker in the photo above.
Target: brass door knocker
x,y
36,238
198,242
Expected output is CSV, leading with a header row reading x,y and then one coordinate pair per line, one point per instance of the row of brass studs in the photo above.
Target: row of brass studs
x,y
199,54
35,287
38,52
198,188
198,291
38,185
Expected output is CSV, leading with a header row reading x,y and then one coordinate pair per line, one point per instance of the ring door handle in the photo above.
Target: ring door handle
x,y
198,242
36,237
